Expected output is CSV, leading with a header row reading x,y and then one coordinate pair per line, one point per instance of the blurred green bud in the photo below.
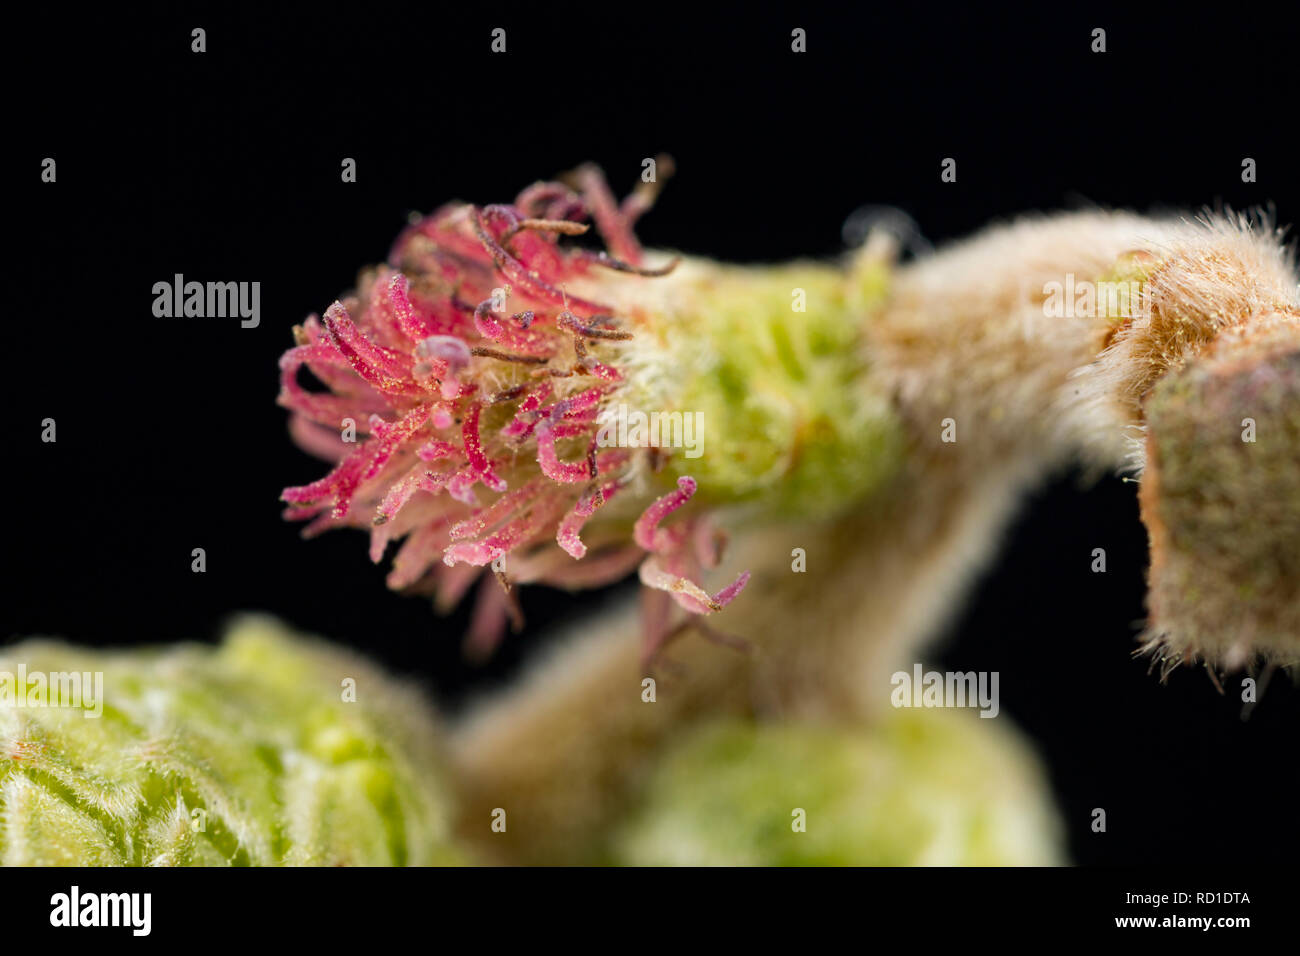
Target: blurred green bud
x,y
919,787
270,749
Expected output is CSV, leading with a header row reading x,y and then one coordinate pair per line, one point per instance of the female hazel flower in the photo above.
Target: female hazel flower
x,y
472,370
481,366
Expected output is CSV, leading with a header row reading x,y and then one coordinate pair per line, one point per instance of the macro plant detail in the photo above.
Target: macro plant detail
x,y
477,422
479,400
969,387
914,789
871,419
246,754
811,410
503,437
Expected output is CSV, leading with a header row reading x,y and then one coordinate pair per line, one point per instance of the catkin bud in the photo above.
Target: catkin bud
x,y
1221,500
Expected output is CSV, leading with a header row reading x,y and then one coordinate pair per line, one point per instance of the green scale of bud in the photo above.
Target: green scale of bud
x,y
269,749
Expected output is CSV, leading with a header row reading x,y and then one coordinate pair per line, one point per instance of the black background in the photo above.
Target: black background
x,y
225,165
